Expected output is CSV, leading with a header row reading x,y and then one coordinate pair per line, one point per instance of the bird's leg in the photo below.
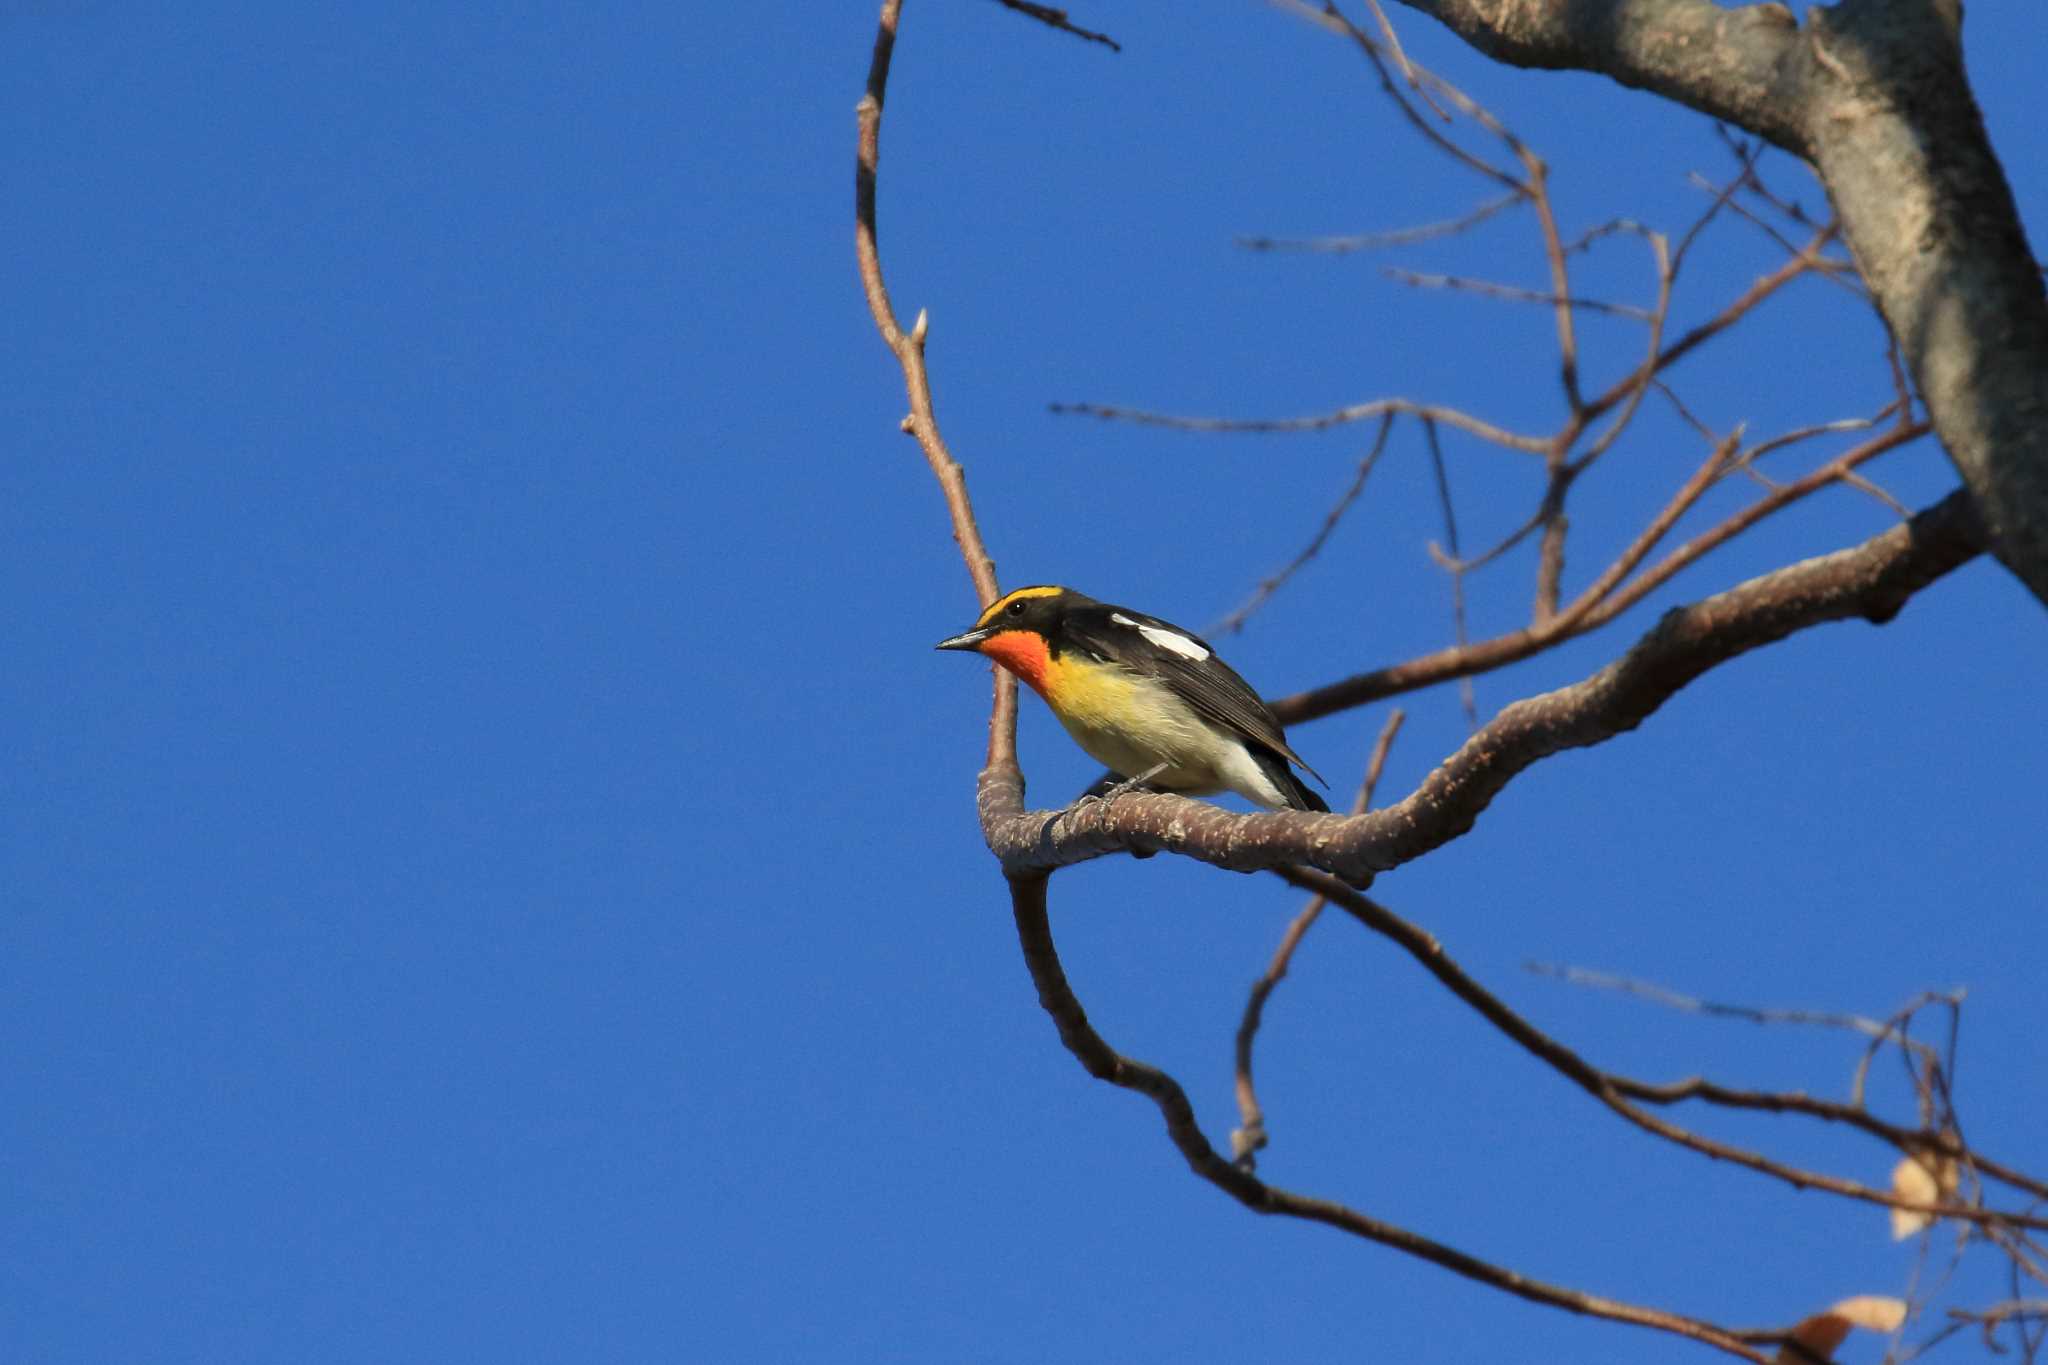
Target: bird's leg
x,y
1105,790
1112,792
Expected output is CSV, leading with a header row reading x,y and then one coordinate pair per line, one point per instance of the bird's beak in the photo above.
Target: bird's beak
x,y
971,640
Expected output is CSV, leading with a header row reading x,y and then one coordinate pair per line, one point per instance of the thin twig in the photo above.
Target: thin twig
x,y
1762,288
1105,1063
1357,412
1713,210
1371,241
908,348
1592,236
1647,540
1692,1004
1667,277
1483,656
1607,1088
1560,279
1329,17
1454,564
1234,622
1401,60
1250,1136
1511,293
1057,18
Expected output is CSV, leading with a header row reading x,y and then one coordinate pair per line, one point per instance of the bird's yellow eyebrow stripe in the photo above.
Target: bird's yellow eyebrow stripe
x,y
996,607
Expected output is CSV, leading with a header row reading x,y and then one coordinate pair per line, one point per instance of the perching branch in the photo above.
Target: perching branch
x,y
1751,68
1872,580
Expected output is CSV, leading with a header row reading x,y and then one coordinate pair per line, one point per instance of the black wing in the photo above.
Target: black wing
x,y
1208,684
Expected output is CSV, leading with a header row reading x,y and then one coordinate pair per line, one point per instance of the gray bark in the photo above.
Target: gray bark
x,y
1873,94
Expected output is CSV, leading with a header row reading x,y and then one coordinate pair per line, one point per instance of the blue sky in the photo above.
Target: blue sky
x,y
487,850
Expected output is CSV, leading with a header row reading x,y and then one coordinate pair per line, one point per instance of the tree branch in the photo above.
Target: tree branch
x,y
1736,65
908,348
1616,1092
1592,609
1874,95
1872,580
1925,208
1105,1063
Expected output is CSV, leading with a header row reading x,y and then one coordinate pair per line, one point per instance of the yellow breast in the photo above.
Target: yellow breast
x,y
1130,723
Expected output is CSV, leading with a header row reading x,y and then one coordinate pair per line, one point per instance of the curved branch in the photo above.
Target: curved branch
x,y
1105,1063
1732,64
908,348
1872,580
1616,1092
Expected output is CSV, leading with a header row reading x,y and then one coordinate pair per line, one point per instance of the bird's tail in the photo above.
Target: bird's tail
x,y
1298,794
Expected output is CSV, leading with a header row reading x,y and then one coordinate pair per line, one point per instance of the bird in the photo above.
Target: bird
x,y
1148,700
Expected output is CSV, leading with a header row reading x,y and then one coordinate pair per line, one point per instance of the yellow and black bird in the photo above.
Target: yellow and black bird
x,y
1146,699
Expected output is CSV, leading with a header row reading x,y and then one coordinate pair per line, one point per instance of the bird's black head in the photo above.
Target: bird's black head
x,y
1037,609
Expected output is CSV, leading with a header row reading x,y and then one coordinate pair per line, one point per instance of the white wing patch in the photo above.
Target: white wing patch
x,y
1166,639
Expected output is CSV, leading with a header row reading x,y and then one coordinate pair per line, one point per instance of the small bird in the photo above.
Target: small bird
x,y
1148,700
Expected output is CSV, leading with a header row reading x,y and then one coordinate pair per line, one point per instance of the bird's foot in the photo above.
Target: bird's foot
x,y
1110,791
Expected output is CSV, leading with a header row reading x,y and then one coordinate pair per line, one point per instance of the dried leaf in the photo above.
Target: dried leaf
x,y
1820,1334
1925,1179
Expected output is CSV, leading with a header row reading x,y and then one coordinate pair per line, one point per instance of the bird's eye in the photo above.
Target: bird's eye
x,y
1017,608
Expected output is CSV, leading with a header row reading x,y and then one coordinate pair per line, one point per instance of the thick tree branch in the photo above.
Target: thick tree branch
x,y
1738,65
1925,207
1872,580
1873,94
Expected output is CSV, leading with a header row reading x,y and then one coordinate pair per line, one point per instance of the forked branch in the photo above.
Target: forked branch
x,y
1105,1063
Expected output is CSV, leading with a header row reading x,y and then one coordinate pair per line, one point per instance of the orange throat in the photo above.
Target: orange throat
x,y
1023,652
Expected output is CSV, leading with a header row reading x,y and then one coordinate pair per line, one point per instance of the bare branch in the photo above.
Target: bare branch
x,y
1057,18
1609,1089
1357,412
1512,293
1560,280
1250,1137
1393,41
1622,390
1234,622
1835,271
1486,655
1761,289
1692,1004
1454,563
1329,17
1733,64
1872,580
1874,94
1900,144
1105,1063
1369,241
908,348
